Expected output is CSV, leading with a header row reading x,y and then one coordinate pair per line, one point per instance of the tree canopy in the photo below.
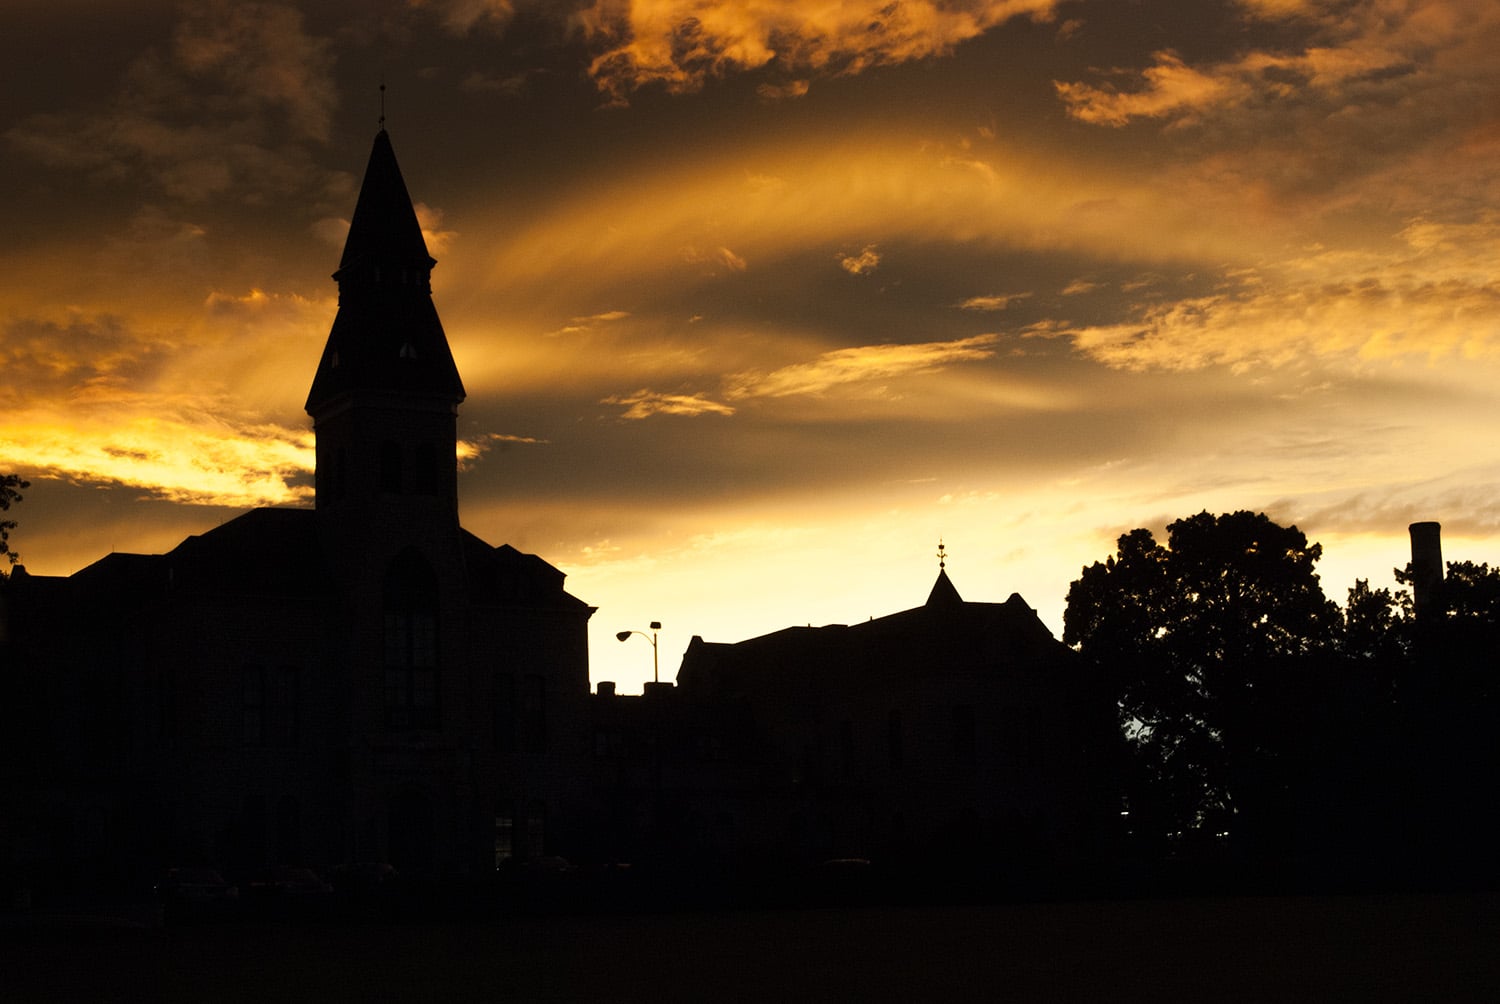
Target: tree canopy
x,y
11,486
1207,643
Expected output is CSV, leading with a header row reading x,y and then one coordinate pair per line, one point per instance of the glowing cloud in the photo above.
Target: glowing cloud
x,y
592,321
469,451
992,302
1354,51
1169,87
680,44
859,365
866,261
182,457
646,403
1440,300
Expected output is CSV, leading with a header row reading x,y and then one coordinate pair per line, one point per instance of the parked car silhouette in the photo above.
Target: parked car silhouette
x,y
194,892
287,889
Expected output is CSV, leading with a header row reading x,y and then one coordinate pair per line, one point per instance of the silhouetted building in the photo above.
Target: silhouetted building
x,y
364,680
953,734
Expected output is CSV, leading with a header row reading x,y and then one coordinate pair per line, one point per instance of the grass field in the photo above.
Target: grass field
x,y
1405,948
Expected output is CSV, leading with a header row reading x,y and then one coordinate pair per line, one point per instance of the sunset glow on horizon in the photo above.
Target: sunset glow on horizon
x,y
756,302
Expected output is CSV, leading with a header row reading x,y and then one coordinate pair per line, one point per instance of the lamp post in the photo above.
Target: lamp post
x,y
655,627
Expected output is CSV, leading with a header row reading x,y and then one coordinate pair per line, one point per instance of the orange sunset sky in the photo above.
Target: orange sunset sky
x,y
756,301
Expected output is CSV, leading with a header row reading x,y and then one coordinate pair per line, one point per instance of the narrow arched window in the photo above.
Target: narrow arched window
x,y
411,643
426,477
390,467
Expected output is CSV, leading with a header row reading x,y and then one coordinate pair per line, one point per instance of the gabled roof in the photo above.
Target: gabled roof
x,y
507,576
944,635
264,552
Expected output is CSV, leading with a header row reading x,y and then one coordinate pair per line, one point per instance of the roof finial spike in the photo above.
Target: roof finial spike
x,y
382,104
942,555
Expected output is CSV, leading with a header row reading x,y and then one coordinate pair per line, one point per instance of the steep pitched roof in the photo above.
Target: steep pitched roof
x,y
384,229
387,336
944,593
507,576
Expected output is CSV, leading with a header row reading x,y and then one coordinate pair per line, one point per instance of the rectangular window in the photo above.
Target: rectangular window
x,y
963,731
281,707
424,699
534,714
536,829
505,712
397,639
423,640
505,835
846,748
894,739
253,705
395,697
411,674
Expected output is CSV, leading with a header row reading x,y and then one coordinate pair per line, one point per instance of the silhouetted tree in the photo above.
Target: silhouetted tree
x,y
1449,705
1471,594
11,486
1215,646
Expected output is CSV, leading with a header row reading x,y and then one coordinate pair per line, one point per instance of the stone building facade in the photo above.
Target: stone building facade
x,y
361,680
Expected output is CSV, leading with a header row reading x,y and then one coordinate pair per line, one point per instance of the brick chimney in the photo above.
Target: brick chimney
x,y
1427,569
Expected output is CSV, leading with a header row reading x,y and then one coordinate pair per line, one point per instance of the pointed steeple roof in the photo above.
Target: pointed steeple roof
x,y
386,336
384,231
944,593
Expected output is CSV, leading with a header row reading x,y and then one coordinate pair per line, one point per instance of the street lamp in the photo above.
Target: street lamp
x,y
655,627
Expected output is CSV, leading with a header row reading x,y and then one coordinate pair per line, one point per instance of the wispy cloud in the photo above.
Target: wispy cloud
x,y
646,403
1439,300
994,301
469,451
719,257
859,365
1166,88
1079,286
576,325
1349,52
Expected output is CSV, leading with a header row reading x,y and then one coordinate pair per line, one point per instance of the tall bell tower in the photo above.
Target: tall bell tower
x,y
384,404
385,398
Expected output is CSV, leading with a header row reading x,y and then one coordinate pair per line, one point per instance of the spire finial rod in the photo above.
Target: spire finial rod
x,y
942,555
382,104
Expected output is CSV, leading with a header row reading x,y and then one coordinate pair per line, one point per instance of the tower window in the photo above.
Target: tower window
x,y
427,476
253,705
411,644
390,467
534,714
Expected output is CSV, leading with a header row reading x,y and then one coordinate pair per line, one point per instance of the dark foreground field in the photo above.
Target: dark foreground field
x,y
1406,948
